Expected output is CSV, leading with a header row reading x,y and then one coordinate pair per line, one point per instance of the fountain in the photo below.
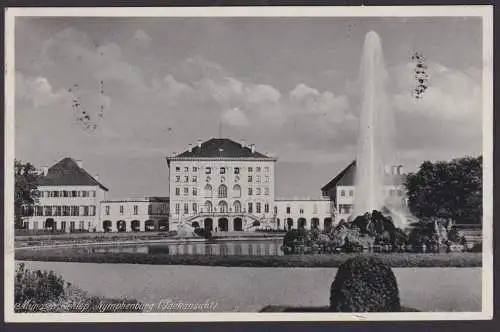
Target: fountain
x,y
376,150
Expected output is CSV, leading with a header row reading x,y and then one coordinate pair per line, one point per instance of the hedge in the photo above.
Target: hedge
x,y
393,259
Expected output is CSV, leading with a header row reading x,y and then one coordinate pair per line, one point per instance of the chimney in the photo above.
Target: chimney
x,y
199,143
253,148
394,170
79,163
96,177
243,144
400,169
190,147
45,170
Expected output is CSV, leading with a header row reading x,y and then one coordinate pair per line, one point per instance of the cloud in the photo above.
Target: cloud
x,y
235,117
38,90
141,39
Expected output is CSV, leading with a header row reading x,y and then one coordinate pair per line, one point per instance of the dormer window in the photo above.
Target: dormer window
x,y
208,170
222,170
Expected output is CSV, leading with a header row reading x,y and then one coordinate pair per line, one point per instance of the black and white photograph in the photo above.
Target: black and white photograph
x,y
248,163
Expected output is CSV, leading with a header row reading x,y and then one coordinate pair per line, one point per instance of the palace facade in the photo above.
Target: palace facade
x,y
218,184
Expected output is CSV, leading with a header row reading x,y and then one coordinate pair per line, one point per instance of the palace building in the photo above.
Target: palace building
x,y
341,189
224,185
218,184
69,199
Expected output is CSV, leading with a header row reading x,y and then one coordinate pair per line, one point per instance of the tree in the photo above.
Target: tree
x,y
447,190
25,190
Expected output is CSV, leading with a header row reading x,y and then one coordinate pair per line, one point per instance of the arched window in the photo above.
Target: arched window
x,y
208,190
222,206
236,190
222,191
237,206
208,206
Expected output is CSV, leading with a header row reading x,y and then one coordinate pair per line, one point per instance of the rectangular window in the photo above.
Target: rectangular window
x,y
55,193
186,208
391,192
266,208
257,207
250,208
250,191
342,193
195,208
74,193
186,191
250,169
65,193
222,170
177,169
301,211
177,191
121,209
257,169
66,210
208,170
35,225
267,178
195,191
92,210
400,192
85,194
351,193
177,208
186,179
257,179
236,170
195,169
266,191
71,226
250,178
39,210
136,210
107,210
257,191
82,224
47,211
150,209
186,169
75,210
288,210
93,193
58,211
177,178
195,179
266,169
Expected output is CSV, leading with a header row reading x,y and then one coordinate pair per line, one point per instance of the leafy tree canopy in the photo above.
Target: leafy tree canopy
x,y
447,190
25,189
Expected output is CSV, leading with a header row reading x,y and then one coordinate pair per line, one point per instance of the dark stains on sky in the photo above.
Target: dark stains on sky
x,y
421,75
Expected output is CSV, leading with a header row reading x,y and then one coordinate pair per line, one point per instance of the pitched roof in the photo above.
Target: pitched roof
x,y
67,173
347,177
221,148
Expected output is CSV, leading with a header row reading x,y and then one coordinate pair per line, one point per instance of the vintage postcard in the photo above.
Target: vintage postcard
x,y
248,164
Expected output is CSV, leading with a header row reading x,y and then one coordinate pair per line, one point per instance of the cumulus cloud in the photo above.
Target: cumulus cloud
x,y
38,90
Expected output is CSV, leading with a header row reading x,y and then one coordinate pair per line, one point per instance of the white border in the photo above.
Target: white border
x,y
486,12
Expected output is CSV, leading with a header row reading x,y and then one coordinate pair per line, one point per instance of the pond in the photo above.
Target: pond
x,y
263,247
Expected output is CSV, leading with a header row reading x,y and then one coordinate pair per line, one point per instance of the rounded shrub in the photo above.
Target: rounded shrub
x,y
364,284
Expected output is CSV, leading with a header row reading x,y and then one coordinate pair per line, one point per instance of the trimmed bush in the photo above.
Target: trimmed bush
x,y
364,284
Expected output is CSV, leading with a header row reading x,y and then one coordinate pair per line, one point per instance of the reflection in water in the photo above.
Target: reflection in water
x,y
226,248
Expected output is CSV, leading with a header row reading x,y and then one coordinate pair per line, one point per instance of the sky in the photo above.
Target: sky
x,y
288,85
